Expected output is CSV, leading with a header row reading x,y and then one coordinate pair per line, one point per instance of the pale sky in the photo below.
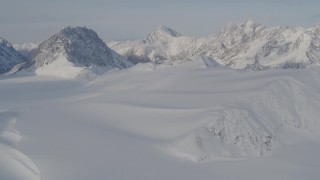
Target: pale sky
x,y
37,20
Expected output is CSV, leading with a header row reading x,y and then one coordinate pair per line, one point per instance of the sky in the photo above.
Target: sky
x,y
36,20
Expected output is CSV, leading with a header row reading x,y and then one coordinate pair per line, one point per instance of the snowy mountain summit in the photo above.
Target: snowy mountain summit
x,y
246,45
9,57
253,46
162,33
72,52
159,46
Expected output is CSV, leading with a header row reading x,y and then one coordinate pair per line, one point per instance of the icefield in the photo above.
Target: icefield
x,y
151,121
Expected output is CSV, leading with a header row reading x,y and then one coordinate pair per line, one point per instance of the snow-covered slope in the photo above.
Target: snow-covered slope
x,y
160,123
26,48
216,113
72,52
247,45
14,165
9,57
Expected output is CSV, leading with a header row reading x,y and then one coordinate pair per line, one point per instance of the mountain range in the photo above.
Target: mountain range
x,y
78,51
72,52
247,45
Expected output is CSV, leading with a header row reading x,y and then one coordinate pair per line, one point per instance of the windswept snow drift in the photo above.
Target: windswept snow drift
x,y
14,165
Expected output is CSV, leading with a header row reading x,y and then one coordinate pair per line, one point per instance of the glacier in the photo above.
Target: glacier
x,y
174,122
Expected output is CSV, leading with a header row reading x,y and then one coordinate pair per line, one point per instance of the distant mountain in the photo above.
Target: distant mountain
x,y
247,45
72,52
158,46
25,48
251,45
9,57
162,33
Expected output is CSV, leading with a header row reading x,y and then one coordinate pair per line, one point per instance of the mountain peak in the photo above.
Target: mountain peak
x,y
162,33
168,30
9,57
4,42
78,48
249,25
69,30
75,43
249,22
240,32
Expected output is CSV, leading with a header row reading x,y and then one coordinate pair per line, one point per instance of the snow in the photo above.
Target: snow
x,y
246,45
13,164
60,67
151,121
63,68
162,33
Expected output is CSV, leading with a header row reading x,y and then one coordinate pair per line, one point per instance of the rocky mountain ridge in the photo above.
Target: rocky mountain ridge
x,y
74,51
9,57
247,45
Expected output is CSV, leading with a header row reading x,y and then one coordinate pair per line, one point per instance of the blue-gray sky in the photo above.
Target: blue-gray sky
x,y
36,20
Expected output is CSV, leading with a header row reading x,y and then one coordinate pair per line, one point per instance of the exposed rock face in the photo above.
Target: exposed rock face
x,y
81,46
74,49
9,57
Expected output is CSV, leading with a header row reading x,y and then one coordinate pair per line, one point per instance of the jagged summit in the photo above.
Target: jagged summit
x,y
250,22
240,32
168,30
245,24
77,47
162,33
4,42
245,45
80,45
9,57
